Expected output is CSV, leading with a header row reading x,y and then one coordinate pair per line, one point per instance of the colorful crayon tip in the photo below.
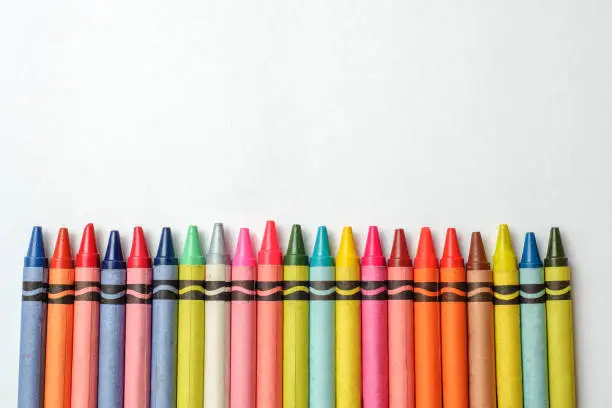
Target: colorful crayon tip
x,y
88,256
36,251
270,253
555,255
321,254
217,252
62,256
296,253
531,257
451,257
426,254
192,251
347,253
399,257
114,255
165,250
244,255
477,260
373,254
139,254
504,257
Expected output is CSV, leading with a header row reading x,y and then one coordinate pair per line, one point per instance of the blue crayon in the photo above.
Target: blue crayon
x,y
322,324
33,324
533,326
112,326
164,324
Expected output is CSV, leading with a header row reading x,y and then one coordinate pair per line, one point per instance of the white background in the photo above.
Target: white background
x,y
396,113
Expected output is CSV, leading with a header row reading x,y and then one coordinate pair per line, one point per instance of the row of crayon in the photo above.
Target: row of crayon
x,y
300,332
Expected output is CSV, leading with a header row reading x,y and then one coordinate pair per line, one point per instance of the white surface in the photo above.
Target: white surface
x,y
394,113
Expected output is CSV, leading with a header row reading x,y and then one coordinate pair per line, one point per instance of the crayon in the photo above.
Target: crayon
x,y
112,325
507,323
190,365
374,334
481,325
86,322
401,324
270,321
243,336
33,324
164,323
217,324
322,326
295,322
533,326
561,381
427,344
453,319
138,324
348,323
60,320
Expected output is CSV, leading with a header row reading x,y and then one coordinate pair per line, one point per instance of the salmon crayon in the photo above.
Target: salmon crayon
x,y
481,337
401,324
427,363
322,324
374,335
295,322
243,325
453,318
60,319
33,324
507,323
138,324
559,323
348,323
270,321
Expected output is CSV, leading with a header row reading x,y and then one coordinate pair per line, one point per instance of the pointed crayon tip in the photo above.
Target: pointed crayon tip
x,y
244,250
321,254
114,255
477,260
451,257
62,256
165,250
347,253
531,256
373,254
296,253
192,251
139,254
270,253
399,257
88,256
426,254
504,257
555,255
217,252
36,250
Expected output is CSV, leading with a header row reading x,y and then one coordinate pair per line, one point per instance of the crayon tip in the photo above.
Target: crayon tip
x,y
62,256
347,253
114,255
555,255
88,256
165,250
244,251
36,250
139,254
426,254
504,257
373,254
399,257
530,257
192,251
217,252
270,253
321,254
477,260
451,257
296,253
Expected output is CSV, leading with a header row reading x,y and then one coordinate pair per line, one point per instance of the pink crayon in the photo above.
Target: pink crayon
x,y
243,325
374,338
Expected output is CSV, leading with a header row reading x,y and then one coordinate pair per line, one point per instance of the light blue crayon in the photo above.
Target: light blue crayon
x,y
33,324
533,326
322,324
164,324
112,326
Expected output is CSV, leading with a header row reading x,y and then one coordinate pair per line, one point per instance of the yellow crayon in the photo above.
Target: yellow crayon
x,y
507,323
561,382
348,324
